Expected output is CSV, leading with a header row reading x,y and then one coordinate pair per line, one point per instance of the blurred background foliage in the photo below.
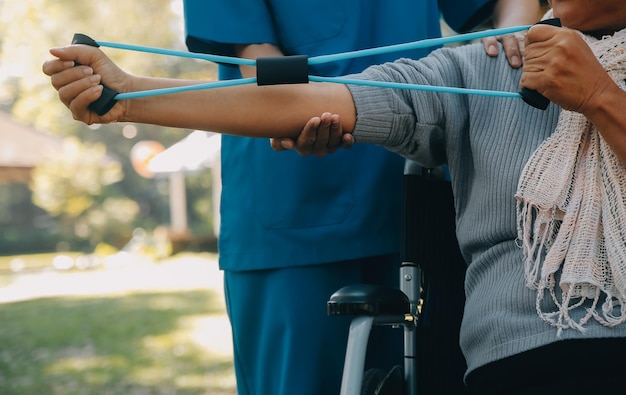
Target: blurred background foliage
x,y
88,192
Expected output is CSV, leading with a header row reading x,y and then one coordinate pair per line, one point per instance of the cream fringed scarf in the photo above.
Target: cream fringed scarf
x,y
572,215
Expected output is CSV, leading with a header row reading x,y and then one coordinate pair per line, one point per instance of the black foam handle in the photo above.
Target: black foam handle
x,y
531,96
107,99
292,69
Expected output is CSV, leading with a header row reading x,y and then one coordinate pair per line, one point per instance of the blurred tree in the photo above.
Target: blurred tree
x,y
28,28
70,185
69,181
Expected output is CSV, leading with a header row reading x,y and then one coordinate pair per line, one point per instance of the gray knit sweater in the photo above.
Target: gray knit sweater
x,y
486,142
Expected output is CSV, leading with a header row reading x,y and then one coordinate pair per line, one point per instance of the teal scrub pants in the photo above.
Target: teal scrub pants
x,y
284,341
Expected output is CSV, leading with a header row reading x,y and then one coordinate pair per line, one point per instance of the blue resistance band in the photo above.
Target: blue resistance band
x,y
294,69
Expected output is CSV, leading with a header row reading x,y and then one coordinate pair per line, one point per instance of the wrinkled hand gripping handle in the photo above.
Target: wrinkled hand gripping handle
x,y
531,96
107,99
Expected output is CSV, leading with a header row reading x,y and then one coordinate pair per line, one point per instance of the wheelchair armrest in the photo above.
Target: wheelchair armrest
x,y
368,299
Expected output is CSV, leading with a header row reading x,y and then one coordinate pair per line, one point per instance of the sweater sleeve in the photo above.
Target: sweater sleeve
x,y
415,123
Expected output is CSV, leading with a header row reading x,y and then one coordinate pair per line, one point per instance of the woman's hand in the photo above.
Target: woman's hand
x,y
561,66
321,135
76,73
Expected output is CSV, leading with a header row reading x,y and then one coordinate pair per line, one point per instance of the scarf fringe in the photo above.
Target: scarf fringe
x,y
571,211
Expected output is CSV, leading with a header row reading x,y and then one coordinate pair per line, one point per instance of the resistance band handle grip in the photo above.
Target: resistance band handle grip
x,y
531,96
107,99
292,69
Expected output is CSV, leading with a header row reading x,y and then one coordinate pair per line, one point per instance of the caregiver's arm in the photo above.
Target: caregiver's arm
x,y
317,136
511,13
267,111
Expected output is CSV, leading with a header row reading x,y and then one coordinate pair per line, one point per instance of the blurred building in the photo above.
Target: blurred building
x,y
22,149
24,226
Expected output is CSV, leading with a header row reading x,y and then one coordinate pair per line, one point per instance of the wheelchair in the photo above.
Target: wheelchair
x,y
428,305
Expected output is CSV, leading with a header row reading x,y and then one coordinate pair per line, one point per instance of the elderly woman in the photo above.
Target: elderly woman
x,y
540,195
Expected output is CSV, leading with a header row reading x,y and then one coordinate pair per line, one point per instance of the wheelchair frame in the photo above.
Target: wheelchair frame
x,y
428,304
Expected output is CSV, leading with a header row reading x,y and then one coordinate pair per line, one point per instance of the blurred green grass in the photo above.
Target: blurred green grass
x,y
31,261
137,343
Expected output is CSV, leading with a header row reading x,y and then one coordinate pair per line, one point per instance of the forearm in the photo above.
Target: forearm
x,y
254,51
609,117
515,12
248,110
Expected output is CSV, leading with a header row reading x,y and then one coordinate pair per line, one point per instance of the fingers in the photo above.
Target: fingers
x,y
330,135
320,145
347,140
76,74
56,65
512,44
76,61
306,141
320,136
79,54
335,134
282,144
513,49
541,32
66,76
491,46
561,66
71,83
77,86
541,51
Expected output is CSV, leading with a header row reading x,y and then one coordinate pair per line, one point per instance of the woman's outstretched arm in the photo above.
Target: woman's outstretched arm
x,y
249,110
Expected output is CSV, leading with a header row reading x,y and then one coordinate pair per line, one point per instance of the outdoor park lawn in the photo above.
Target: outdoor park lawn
x,y
141,342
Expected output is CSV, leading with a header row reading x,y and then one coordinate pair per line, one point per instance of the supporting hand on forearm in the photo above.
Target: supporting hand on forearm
x,y
322,135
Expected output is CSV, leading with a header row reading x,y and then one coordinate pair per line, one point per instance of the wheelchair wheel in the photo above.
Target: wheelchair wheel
x,y
372,379
378,382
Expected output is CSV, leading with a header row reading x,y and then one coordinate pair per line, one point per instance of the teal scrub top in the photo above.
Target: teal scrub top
x,y
282,209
